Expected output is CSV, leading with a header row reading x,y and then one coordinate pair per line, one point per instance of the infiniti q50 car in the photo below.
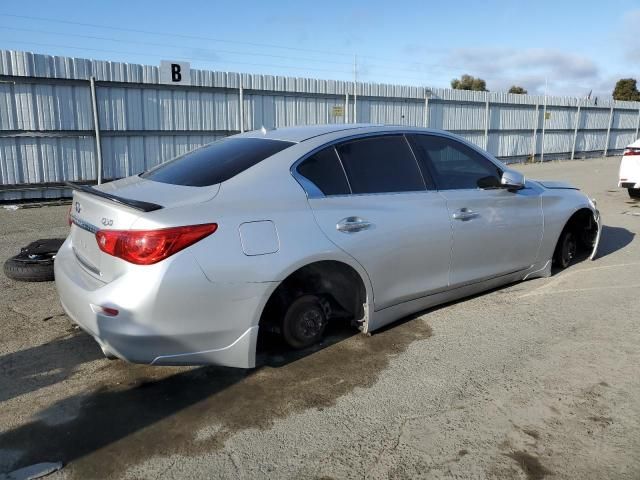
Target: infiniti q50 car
x,y
283,231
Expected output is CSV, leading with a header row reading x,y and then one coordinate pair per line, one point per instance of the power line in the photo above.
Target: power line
x,y
166,45
198,37
164,34
205,60
216,51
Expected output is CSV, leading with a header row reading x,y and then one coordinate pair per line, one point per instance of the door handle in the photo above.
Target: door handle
x,y
465,214
352,225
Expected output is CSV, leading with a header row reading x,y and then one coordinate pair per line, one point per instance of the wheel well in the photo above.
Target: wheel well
x,y
584,226
336,282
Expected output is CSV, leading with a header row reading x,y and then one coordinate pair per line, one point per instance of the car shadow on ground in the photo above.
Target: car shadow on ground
x,y
139,412
44,365
613,239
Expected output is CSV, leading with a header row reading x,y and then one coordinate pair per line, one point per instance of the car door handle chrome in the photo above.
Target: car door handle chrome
x,y
465,214
352,225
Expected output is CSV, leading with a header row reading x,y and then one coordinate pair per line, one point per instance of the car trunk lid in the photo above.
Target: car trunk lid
x,y
116,206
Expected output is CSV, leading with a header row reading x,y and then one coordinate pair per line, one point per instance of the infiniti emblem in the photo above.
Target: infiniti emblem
x,y
78,208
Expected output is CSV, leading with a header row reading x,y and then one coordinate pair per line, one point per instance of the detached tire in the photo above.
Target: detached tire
x,y
34,263
21,271
566,249
634,192
304,322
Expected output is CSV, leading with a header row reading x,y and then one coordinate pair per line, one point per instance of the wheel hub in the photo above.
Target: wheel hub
x,y
310,323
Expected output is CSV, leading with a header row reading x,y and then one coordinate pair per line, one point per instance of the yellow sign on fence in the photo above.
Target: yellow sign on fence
x,y
338,111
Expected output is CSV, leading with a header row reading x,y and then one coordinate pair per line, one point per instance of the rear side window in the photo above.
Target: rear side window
x,y
216,162
454,165
325,171
381,164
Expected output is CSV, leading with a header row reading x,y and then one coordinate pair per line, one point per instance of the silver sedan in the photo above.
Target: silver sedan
x,y
283,231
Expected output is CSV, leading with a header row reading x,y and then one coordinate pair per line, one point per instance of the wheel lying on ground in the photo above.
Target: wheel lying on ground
x,y
34,263
634,192
566,249
304,322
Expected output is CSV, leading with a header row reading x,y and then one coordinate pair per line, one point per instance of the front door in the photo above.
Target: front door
x,y
495,231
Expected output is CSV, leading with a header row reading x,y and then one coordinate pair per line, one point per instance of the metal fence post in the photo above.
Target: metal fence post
x,y
486,123
535,133
241,101
575,131
638,124
346,107
355,89
96,126
606,145
544,124
426,111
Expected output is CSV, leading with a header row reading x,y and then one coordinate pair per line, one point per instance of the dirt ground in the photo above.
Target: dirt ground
x,y
537,379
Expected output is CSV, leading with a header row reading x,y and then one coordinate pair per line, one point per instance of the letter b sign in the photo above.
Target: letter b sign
x,y
175,73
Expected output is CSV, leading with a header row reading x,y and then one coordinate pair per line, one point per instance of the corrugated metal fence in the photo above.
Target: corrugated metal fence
x,y
48,135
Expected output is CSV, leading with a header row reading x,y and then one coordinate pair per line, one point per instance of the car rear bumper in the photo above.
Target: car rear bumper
x,y
629,176
169,313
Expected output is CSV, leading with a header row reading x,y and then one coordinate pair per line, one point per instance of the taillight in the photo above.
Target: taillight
x,y
145,247
631,151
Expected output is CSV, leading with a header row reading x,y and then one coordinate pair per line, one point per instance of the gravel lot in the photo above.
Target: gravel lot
x,y
538,379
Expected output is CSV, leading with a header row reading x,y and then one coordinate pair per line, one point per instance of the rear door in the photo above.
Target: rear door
x,y
495,231
372,201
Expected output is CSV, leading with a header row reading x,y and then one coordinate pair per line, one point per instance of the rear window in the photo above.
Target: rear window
x,y
216,162
325,171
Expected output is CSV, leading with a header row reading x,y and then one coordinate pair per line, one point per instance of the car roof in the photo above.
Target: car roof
x,y
302,133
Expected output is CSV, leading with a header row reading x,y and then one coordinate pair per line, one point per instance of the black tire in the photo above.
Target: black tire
x,y
34,263
634,192
17,269
566,249
304,322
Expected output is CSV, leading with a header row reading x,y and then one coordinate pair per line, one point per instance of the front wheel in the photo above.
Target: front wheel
x,y
634,192
565,250
304,322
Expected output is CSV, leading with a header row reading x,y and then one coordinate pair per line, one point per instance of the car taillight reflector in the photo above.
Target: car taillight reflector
x,y
631,151
146,247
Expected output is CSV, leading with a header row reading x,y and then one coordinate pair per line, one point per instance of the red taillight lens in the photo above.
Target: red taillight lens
x,y
146,247
631,151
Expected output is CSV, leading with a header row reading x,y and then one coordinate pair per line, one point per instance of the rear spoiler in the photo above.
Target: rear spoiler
x,y
135,204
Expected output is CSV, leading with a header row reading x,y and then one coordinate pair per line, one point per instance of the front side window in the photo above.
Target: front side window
x,y
216,162
380,164
454,165
323,169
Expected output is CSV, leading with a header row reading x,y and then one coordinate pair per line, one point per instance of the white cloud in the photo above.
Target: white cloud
x,y
566,73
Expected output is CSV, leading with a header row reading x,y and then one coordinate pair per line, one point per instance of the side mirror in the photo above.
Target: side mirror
x,y
512,180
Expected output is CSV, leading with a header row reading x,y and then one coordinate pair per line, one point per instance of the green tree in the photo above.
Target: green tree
x,y
517,89
467,82
626,89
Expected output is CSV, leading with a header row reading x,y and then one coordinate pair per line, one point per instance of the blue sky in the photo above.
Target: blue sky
x,y
574,46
